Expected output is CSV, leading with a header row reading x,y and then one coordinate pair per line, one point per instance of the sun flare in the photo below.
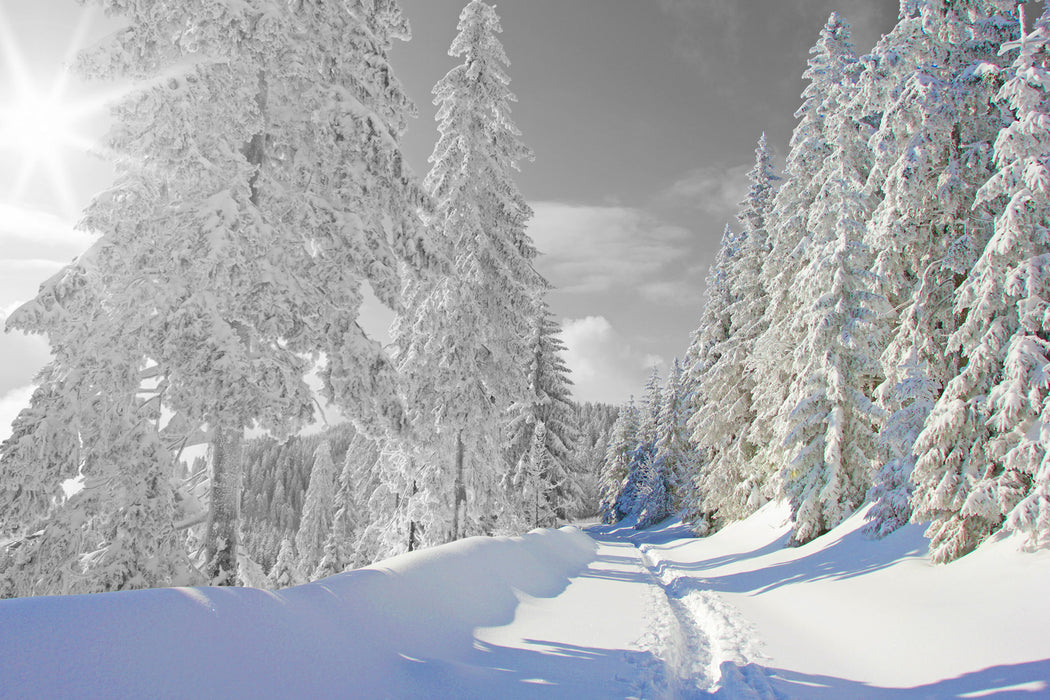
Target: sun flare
x,y
37,127
43,125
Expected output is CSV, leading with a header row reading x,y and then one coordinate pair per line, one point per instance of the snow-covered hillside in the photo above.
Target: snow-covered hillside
x,y
555,614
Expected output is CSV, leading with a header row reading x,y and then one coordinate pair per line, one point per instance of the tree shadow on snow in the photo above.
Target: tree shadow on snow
x,y
1023,680
850,555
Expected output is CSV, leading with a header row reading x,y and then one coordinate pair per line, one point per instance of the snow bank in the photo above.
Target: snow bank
x,y
400,628
847,617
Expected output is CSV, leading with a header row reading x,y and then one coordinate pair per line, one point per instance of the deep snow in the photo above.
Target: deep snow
x,y
556,614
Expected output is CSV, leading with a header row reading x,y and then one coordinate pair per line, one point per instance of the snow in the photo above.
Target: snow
x,y
844,616
558,614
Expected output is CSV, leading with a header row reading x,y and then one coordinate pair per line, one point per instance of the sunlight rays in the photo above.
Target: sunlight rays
x,y
43,125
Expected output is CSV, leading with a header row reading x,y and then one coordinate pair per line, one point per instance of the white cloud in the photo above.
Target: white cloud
x,y
604,365
717,191
23,356
592,249
11,403
22,226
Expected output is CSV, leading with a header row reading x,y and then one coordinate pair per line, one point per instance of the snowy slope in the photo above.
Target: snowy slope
x,y
402,628
845,617
556,614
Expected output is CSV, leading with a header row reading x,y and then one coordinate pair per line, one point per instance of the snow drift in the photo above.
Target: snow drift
x,y
399,628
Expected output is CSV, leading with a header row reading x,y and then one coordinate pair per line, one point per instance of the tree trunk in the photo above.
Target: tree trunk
x,y
413,527
459,489
224,516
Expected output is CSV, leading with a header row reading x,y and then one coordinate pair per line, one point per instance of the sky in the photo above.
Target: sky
x,y
643,116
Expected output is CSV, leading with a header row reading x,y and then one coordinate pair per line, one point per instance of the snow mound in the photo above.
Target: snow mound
x,y
400,628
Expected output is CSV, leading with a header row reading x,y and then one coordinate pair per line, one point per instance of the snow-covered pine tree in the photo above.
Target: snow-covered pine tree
x,y
462,337
830,69
91,420
315,522
928,87
637,487
675,453
702,354
285,571
649,424
721,426
983,453
673,461
832,435
543,431
891,492
596,421
622,442
235,160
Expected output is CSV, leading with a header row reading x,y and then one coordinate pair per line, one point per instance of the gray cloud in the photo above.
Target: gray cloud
x,y
591,249
714,190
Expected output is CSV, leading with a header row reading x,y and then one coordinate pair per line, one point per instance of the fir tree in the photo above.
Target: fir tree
x,y
832,436
543,430
830,70
623,440
892,488
258,185
720,428
982,455
702,354
315,523
285,572
675,453
461,339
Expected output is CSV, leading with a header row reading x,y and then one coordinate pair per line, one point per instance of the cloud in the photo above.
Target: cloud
x,y
23,356
715,37
604,366
21,227
11,404
592,249
714,190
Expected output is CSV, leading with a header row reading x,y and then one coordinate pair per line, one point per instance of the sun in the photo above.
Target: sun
x,y
43,125
36,128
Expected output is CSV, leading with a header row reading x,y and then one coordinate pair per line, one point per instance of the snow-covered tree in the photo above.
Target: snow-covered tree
x,y
462,338
285,571
832,435
675,453
891,492
259,183
982,455
830,70
622,442
649,418
638,485
702,354
315,522
543,431
720,427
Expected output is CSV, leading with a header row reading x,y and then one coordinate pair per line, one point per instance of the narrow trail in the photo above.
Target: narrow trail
x,y
626,628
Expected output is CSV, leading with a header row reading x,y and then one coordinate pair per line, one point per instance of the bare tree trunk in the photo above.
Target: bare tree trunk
x,y
459,489
224,516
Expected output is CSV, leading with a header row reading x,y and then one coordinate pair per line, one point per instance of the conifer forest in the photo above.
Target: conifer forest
x,y
871,354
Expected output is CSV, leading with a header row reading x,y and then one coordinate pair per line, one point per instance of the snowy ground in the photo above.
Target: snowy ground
x,y
554,614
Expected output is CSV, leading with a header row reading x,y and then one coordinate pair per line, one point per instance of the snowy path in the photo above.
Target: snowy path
x,y
619,631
